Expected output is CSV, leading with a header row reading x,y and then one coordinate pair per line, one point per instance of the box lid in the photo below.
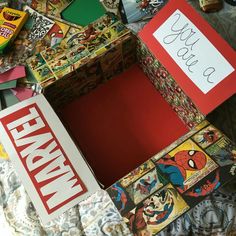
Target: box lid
x,y
200,61
50,166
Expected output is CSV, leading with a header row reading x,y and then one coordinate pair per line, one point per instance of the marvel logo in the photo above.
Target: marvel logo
x,y
42,156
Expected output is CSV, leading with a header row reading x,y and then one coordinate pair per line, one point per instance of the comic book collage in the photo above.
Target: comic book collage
x,y
76,49
167,86
175,180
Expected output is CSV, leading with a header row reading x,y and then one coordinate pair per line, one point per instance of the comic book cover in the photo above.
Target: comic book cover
x,y
204,187
39,6
175,180
156,212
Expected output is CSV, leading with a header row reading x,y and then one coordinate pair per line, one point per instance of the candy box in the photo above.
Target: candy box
x,y
11,21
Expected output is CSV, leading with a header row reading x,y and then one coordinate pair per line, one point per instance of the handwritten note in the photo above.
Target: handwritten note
x,y
193,52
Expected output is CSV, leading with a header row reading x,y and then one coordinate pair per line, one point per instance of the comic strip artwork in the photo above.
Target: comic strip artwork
x,y
145,186
223,151
186,165
157,211
175,180
121,198
67,50
207,136
205,186
137,173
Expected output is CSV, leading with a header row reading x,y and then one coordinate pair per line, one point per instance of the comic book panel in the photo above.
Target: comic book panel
x,y
56,34
223,151
52,53
156,212
209,184
185,165
137,173
59,64
146,185
207,136
42,73
76,53
203,188
120,198
35,61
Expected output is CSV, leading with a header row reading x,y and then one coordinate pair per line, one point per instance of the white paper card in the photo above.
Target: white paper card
x,y
50,166
193,52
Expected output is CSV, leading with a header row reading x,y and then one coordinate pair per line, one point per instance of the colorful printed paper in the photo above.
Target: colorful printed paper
x,y
175,180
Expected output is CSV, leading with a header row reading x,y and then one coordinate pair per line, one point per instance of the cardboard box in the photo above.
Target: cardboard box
x,y
192,66
125,121
84,59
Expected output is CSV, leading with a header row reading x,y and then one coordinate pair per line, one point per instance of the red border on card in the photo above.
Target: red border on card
x,y
223,90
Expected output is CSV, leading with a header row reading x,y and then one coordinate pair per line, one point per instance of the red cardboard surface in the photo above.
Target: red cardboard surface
x,y
206,102
121,124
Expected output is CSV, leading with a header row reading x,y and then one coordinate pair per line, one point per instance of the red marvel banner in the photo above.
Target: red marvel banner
x,y
199,60
51,168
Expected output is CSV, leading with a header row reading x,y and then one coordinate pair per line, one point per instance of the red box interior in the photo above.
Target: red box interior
x,y
121,124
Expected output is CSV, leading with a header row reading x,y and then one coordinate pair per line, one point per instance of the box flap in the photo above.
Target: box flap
x,y
200,61
50,166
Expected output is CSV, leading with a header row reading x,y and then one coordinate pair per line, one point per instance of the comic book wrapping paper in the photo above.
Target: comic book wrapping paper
x,y
175,180
83,61
168,87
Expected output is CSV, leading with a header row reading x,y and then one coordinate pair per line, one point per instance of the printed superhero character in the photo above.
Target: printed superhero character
x,y
145,186
209,136
121,196
152,211
55,35
176,167
206,188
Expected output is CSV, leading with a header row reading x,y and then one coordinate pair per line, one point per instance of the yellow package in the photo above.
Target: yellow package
x,y
11,22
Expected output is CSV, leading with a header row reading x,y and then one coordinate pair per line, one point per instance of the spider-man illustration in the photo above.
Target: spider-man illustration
x,y
121,196
175,167
145,186
206,188
209,136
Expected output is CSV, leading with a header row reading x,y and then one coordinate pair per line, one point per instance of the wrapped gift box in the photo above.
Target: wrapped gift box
x,y
125,121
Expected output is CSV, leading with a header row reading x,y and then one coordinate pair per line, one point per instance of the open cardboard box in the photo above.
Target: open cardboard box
x,y
125,121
